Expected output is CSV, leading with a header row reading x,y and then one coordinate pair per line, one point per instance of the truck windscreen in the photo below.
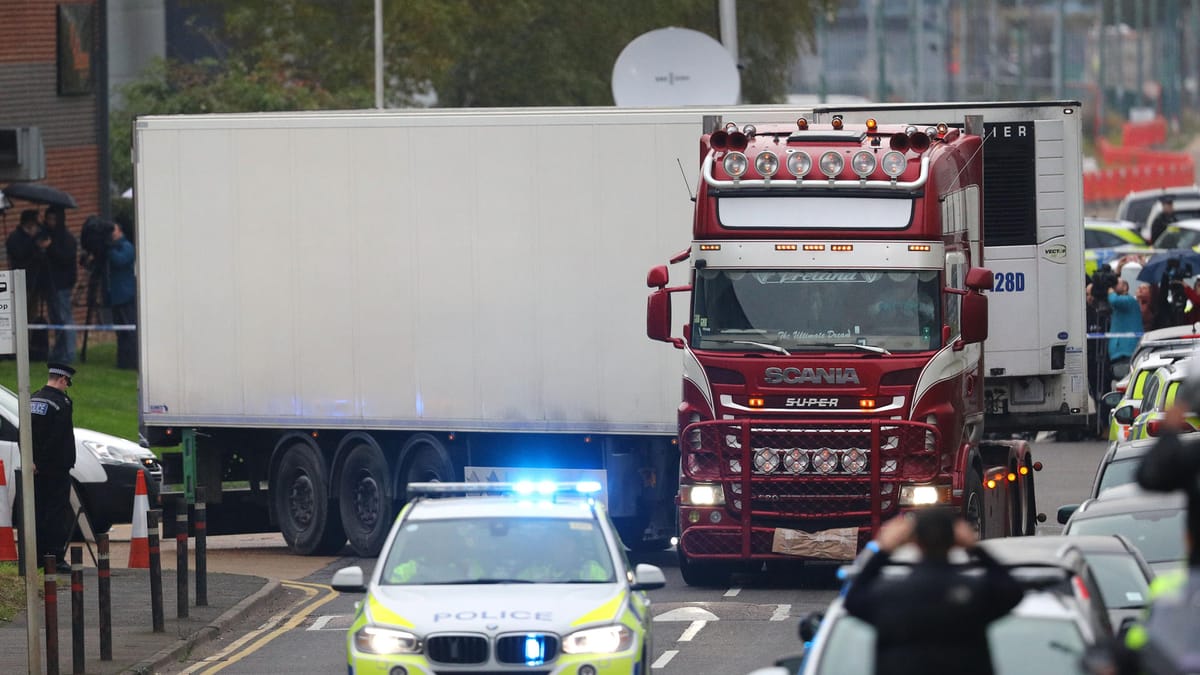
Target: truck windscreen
x,y
816,309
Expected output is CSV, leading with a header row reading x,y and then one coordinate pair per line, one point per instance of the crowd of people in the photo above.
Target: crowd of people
x,y
50,254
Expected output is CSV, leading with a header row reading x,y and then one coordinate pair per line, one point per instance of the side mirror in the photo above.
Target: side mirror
x,y
647,578
658,277
1112,399
658,317
979,279
1126,624
1125,414
1065,513
974,317
349,580
809,625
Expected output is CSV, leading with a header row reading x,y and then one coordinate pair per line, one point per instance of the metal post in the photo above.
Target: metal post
x,y
914,39
104,584
876,469
823,52
77,659
880,51
1060,61
200,527
25,435
50,588
379,54
1138,18
181,562
188,443
156,602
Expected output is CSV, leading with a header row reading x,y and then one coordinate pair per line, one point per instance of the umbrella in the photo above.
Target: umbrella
x,y
1189,265
40,194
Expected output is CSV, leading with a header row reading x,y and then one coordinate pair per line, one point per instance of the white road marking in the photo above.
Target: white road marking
x,y
733,592
319,624
662,661
687,614
692,630
781,613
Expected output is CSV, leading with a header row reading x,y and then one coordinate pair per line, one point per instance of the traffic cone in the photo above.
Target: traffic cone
x,y
139,542
8,545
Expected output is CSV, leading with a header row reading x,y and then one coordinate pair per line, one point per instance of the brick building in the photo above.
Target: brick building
x,y
52,77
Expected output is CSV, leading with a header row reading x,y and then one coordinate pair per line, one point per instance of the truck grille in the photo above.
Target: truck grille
x,y
461,649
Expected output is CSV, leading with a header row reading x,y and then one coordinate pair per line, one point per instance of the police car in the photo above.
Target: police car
x,y
496,577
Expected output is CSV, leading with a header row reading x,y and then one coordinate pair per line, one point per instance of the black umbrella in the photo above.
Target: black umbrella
x,y
40,194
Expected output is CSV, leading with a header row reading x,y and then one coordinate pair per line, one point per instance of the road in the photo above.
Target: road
x,y
720,630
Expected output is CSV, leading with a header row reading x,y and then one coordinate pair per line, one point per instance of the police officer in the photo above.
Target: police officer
x,y
934,621
53,456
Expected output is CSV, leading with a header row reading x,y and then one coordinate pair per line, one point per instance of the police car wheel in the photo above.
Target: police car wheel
x,y
302,504
365,500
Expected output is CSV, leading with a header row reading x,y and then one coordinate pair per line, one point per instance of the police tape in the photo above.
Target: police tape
x,y
95,326
1099,336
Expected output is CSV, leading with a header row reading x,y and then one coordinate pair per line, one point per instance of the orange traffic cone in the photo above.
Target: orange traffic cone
x,y
139,542
8,545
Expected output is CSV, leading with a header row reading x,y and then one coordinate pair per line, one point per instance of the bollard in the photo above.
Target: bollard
x,y
200,526
156,606
77,610
50,591
19,522
181,561
104,584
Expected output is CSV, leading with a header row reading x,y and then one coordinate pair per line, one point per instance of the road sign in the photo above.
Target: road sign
x,y
7,306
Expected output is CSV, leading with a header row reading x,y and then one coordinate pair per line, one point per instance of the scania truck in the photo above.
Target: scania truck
x,y
834,369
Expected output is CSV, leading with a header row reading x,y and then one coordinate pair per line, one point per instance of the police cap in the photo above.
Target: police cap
x,y
62,370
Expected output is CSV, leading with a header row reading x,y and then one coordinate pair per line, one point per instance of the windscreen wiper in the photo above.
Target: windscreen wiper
x,y
869,348
774,348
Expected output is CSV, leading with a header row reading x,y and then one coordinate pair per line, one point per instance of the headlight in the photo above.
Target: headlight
x,y
924,495
735,164
376,640
604,640
112,454
702,494
854,461
825,461
766,460
795,461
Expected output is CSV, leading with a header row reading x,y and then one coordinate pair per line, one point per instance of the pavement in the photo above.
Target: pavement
x,y
244,575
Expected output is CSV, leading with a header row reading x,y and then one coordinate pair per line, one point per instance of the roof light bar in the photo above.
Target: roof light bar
x,y
799,163
522,488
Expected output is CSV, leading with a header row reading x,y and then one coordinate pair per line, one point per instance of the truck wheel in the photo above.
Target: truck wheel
x,y
426,462
702,574
365,500
302,505
973,500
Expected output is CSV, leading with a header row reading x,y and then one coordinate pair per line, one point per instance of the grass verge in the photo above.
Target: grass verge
x,y
12,591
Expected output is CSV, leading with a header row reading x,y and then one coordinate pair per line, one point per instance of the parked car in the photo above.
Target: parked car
x,y
1184,233
1119,569
1153,522
1105,240
1160,391
1046,633
105,472
1136,205
1125,403
1184,209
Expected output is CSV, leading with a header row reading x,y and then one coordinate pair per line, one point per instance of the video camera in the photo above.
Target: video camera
x,y
1104,279
96,237
1173,286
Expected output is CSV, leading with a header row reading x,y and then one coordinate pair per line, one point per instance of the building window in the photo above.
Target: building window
x,y
76,47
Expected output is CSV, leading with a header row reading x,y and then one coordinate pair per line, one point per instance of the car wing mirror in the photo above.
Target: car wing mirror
x,y
1124,415
349,580
647,578
1065,513
1112,399
809,625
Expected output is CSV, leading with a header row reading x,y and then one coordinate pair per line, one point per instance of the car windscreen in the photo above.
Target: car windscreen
x,y
1121,580
1019,646
1157,534
498,550
1118,473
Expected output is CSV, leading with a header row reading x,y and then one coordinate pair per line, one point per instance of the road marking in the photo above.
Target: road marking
x,y
687,614
781,613
234,652
733,592
662,661
692,630
319,624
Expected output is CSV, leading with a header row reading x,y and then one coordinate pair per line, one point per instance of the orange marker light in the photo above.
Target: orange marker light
x,y
710,247
920,247
837,121
814,247
1024,471
1011,476
802,124
841,247
785,247
872,125
757,402
866,403
991,484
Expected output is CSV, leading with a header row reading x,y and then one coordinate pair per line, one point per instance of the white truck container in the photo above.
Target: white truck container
x,y
340,303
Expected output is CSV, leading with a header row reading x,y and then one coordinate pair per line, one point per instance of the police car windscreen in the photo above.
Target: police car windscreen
x,y
498,550
816,309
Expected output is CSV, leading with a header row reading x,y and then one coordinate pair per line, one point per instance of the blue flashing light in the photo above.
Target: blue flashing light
x,y
535,650
547,488
587,487
523,487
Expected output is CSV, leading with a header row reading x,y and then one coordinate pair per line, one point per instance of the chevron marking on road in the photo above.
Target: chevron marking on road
x,y
692,630
662,661
782,612
687,614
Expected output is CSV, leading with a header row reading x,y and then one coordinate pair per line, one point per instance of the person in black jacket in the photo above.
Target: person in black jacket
x,y
60,256
26,248
53,456
934,620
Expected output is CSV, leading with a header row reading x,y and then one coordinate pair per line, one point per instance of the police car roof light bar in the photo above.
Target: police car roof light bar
x,y
520,488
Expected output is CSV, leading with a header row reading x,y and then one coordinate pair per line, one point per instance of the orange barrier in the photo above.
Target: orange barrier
x,y
139,541
1114,183
1142,134
8,544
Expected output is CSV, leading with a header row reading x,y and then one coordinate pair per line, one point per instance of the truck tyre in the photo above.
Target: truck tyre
x,y
703,574
973,500
425,461
302,504
365,500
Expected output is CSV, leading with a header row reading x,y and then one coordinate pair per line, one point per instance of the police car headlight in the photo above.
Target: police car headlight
x,y
701,494
376,640
113,454
605,640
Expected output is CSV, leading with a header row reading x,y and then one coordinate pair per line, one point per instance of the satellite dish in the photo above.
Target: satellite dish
x,y
675,67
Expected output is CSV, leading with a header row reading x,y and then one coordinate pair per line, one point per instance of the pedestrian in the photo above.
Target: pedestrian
x,y
122,296
1145,297
53,457
63,270
1164,218
933,621
1126,318
26,248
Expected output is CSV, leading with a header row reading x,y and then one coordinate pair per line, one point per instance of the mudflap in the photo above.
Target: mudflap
x,y
997,503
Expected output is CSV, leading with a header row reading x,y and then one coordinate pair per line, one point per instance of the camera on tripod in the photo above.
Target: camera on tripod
x,y
94,238
1173,286
1104,279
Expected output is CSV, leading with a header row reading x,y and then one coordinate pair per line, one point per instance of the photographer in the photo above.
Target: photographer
x,y
1173,296
1099,317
